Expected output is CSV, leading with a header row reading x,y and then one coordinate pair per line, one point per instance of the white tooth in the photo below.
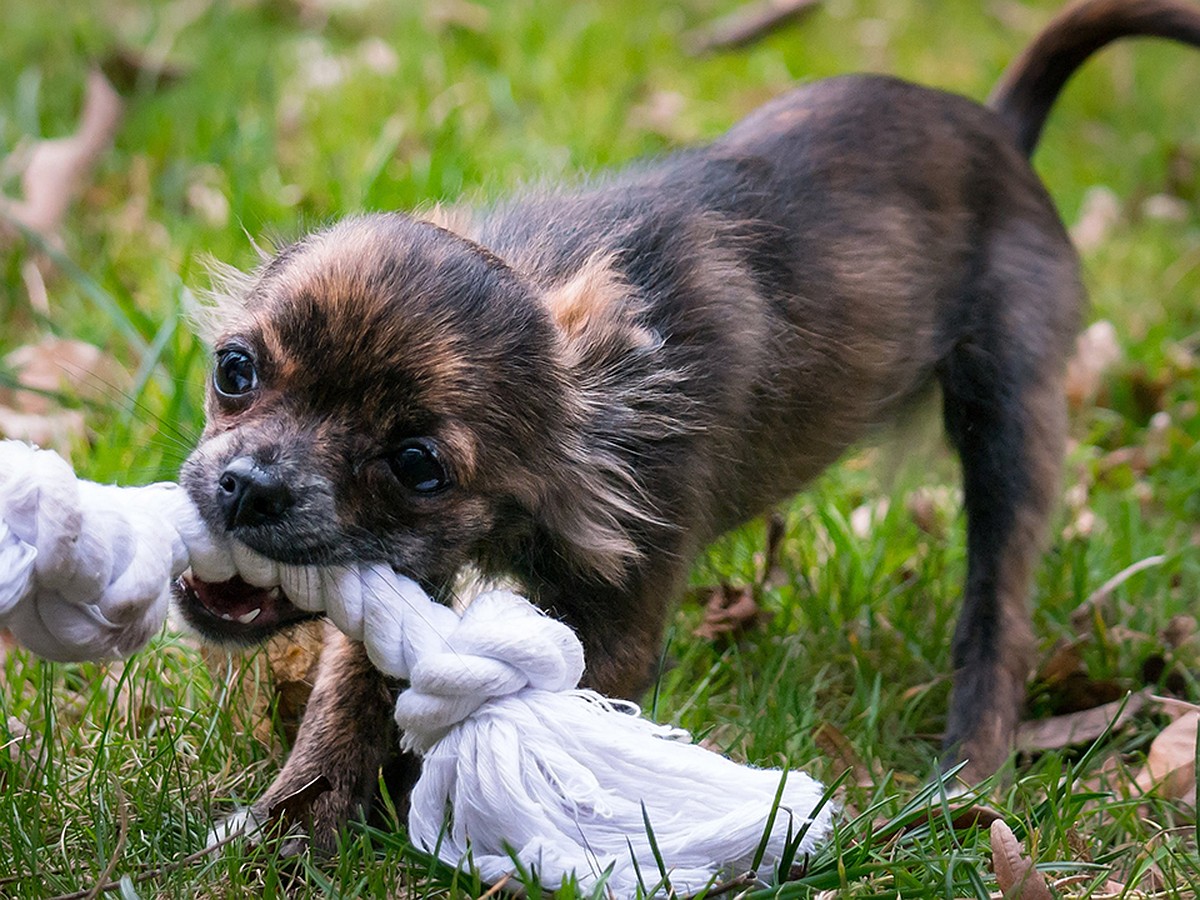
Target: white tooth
x,y
302,585
254,568
249,617
227,617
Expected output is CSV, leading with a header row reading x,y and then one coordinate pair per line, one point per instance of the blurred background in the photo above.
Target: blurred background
x,y
138,140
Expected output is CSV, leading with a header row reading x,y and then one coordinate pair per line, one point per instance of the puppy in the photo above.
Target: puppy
x,y
579,389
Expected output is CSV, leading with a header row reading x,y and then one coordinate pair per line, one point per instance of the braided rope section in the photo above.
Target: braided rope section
x,y
518,763
85,568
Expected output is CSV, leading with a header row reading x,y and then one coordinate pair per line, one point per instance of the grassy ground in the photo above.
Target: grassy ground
x,y
291,113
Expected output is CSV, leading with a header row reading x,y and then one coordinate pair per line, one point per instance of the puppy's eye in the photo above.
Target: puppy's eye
x,y
235,374
416,466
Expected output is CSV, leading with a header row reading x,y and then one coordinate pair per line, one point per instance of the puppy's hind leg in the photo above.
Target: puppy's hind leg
x,y
1005,415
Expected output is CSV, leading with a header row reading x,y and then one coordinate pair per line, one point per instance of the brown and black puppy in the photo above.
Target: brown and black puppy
x,y
580,389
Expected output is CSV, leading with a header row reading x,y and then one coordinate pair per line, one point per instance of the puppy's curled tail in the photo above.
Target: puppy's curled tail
x,y
1031,84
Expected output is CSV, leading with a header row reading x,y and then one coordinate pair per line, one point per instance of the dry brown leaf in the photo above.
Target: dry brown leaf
x,y
926,512
58,168
746,24
1065,661
61,366
1173,708
287,665
974,816
835,746
1171,763
661,113
1078,727
730,612
59,431
19,733
1179,631
1096,352
458,14
1101,210
1015,872
292,657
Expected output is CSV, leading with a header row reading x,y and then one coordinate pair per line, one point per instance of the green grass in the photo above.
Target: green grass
x,y
130,764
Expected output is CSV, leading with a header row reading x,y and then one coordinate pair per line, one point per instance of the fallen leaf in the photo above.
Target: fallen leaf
x,y
1065,661
661,113
730,612
1171,763
1165,208
31,411
1179,631
1016,874
207,195
1156,670
292,657
1096,352
58,168
57,365
1081,727
926,512
1173,708
746,24
19,732
836,747
462,14
963,819
281,675
1100,211
59,431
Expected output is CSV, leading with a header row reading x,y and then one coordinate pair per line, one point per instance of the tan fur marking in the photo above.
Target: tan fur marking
x,y
453,218
592,305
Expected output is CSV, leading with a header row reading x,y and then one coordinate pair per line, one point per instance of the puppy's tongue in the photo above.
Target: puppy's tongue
x,y
234,600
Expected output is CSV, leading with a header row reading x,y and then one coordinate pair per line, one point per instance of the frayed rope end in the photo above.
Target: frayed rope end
x,y
574,787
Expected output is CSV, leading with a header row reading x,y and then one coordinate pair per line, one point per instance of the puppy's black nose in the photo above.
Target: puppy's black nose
x,y
250,494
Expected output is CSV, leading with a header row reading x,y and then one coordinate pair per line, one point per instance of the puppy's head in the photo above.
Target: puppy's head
x,y
383,391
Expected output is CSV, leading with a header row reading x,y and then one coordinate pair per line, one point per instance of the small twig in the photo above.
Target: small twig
x,y
745,25
122,834
1102,593
151,874
497,887
725,887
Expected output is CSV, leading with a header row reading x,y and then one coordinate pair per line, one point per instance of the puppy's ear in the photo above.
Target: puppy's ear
x,y
596,311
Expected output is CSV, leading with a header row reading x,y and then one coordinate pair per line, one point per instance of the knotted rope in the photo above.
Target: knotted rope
x,y
517,761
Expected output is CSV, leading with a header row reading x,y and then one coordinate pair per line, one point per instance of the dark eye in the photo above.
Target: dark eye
x,y
416,466
235,374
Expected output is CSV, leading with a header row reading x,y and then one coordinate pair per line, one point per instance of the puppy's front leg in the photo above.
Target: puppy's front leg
x,y
347,734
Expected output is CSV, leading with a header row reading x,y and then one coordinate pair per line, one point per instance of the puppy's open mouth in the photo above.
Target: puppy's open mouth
x,y
235,610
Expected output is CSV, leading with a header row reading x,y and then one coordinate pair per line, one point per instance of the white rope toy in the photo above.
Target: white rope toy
x,y
517,760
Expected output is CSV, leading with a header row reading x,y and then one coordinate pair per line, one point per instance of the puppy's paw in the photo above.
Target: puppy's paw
x,y
308,816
